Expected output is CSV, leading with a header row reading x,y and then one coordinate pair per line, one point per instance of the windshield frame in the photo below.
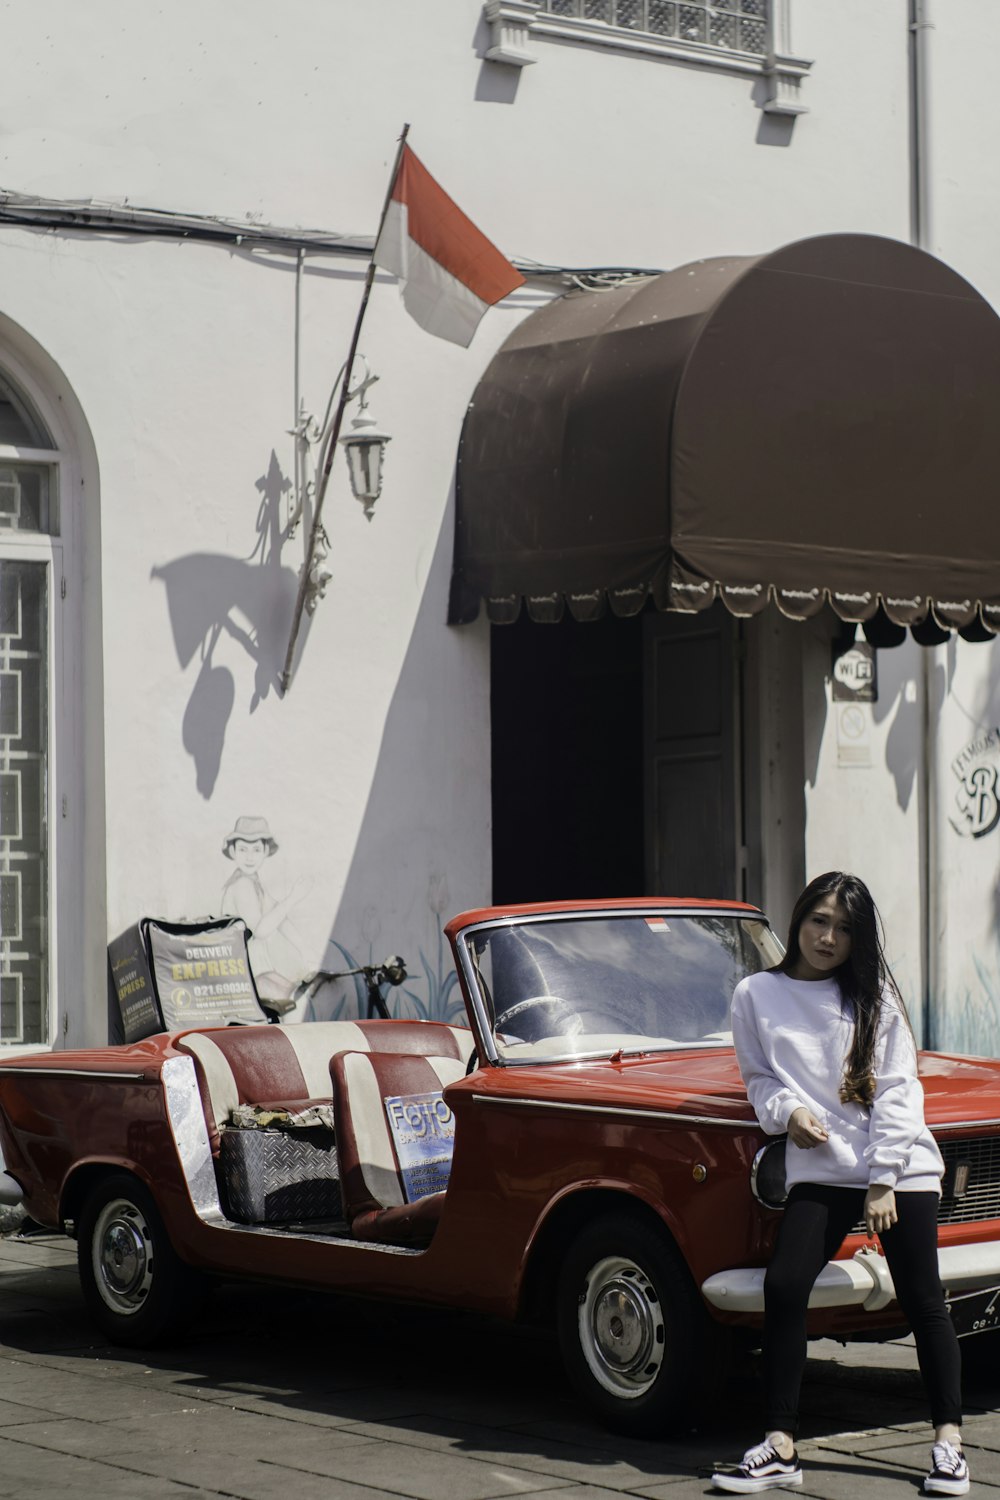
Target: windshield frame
x,y
481,1024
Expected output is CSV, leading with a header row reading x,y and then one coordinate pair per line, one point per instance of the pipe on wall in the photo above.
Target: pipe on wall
x,y
921,44
922,38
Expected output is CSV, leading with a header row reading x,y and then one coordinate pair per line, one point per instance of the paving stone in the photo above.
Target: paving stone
x,y
890,1440
76,1394
507,1405
871,1446
685,1451
342,1410
34,1249
688,1488
196,1430
601,1467
19,1412
42,1347
984,1463
427,1473
843,1476
369,1473
595,1492
28,1471
982,1431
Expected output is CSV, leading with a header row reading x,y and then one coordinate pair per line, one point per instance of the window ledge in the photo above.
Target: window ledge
x,y
514,24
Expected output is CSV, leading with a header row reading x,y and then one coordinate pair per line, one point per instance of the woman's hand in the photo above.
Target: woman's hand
x,y
880,1208
805,1130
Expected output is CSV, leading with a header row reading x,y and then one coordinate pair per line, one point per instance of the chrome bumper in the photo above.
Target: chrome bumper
x,y
863,1281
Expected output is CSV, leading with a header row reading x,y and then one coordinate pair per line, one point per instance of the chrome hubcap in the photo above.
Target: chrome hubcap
x,y
122,1256
621,1327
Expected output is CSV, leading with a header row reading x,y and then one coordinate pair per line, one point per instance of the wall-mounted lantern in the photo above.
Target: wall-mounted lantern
x,y
364,449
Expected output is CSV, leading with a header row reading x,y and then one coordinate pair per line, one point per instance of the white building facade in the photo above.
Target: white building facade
x,y
186,196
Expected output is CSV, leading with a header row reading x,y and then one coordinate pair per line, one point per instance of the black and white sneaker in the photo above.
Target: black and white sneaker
x,y
950,1474
762,1468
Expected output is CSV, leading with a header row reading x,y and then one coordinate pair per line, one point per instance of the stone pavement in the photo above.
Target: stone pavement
x,y
290,1396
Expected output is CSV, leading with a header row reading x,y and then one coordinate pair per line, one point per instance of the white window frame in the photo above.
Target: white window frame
x,y
48,549
515,24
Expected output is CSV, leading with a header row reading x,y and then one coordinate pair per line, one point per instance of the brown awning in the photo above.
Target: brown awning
x,y
821,424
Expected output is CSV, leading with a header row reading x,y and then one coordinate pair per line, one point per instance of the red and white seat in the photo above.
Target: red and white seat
x,y
372,1183
288,1067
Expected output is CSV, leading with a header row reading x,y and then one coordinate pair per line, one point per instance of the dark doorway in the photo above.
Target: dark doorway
x,y
567,712
616,758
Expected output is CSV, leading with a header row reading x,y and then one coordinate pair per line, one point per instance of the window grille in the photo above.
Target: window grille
x,y
734,25
29,514
23,817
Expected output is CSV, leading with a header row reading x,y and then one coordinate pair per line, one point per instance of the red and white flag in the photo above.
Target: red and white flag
x,y
449,272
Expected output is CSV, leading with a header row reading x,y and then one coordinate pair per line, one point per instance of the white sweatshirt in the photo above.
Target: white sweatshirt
x,y
792,1037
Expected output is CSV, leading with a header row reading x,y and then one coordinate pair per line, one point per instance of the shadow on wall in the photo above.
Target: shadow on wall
x,y
816,639
249,600
422,852
497,83
983,714
772,129
899,688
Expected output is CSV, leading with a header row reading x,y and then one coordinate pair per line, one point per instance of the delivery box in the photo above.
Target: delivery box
x,y
172,975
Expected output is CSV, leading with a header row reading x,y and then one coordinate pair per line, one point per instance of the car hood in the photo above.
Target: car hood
x,y
957,1089
708,1085
700,1085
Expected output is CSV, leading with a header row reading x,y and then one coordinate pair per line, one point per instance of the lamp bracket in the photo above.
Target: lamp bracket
x,y
363,386
319,573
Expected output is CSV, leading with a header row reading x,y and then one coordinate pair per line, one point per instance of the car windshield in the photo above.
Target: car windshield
x,y
599,984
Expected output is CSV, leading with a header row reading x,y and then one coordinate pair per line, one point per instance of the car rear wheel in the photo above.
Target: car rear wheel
x,y
137,1289
631,1326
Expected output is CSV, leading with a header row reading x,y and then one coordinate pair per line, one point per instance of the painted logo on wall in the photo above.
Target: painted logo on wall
x,y
977,800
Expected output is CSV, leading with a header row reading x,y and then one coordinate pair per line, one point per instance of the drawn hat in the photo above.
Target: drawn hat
x,y
250,829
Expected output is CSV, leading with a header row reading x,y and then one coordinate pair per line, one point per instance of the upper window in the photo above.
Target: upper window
x,y
739,36
20,425
735,25
27,489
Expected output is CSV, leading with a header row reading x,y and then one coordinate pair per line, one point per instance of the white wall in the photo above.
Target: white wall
x,y
374,770
965,113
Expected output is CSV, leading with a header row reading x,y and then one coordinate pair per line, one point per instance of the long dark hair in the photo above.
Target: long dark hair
x,y
864,976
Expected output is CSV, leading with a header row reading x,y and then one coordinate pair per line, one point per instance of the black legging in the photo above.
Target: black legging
x,y
816,1221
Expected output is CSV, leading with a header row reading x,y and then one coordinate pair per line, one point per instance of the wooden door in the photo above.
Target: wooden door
x,y
692,796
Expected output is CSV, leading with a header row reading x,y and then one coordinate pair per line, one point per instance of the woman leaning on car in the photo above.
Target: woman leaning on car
x,y
827,1055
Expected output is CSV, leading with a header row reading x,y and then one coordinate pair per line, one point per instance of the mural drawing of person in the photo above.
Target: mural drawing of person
x,y
275,947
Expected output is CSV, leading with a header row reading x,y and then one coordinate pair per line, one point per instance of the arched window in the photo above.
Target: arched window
x,y
30,569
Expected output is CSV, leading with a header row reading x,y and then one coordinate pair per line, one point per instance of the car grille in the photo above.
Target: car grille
x,y
981,1196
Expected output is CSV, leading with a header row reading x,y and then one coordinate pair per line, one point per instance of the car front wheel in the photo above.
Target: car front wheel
x,y
137,1289
631,1326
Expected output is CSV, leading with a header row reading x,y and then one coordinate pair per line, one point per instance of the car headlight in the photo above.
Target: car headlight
x,y
767,1175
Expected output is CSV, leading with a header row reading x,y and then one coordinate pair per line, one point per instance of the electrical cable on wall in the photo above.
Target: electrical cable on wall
x,y
88,216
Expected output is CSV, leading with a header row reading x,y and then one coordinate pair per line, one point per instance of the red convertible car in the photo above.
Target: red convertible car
x,y
582,1153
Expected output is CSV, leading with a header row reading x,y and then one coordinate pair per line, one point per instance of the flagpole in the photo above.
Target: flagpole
x,y
345,385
